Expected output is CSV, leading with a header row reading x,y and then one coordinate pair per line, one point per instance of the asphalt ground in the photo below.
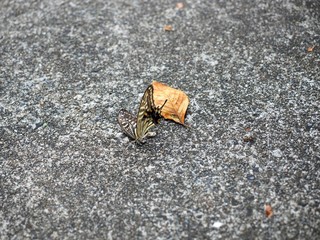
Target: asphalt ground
x,y
251,71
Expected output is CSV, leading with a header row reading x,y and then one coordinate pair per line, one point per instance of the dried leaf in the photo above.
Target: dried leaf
x,y
268,210
176,105
310,49
179,5
168,28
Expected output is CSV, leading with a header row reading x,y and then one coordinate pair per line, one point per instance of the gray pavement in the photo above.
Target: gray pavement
x,y
252,72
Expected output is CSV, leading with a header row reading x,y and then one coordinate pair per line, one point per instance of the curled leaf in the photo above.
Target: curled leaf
x,y
179,5
168,28
310,49
268,210
176,105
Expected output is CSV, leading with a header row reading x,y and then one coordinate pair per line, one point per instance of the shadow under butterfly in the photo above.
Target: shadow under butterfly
x,y
148,116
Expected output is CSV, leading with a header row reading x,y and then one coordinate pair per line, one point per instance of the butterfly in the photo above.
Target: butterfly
x,y
148,116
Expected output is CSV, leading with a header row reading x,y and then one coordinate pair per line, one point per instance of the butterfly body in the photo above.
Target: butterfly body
x,y
148,116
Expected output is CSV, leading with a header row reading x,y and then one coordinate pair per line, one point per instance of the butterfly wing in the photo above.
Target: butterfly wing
x,y
144,119
148,115
127,122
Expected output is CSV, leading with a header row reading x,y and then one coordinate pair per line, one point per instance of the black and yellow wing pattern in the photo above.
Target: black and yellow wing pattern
x,y
148,116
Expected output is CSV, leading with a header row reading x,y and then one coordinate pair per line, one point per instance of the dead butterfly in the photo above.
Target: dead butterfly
x,y
148,116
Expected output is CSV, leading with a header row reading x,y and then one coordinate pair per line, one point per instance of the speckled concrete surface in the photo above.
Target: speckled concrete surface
x,y
67,171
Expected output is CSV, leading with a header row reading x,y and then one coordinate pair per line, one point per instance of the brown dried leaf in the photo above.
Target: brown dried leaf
x,y
310,49
168,28
176,105
179,5
268,210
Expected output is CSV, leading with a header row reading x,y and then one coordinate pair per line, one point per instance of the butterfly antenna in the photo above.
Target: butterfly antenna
x,y
163,104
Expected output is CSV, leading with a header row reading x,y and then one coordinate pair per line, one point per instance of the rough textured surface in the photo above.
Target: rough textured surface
x,y
67,171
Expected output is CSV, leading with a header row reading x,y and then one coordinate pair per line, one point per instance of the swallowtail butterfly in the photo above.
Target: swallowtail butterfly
x,y
148,115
